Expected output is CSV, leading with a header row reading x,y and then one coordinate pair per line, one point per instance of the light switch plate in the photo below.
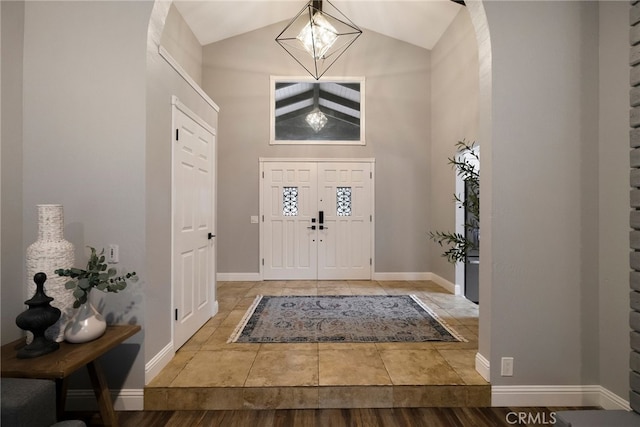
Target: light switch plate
x,y
113,256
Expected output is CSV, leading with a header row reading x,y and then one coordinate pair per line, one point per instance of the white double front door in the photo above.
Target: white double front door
x,y
317,220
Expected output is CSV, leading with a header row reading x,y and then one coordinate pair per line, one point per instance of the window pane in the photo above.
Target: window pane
x,y
290,201
343,201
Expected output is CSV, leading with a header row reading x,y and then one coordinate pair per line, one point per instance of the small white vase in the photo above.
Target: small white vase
x,y
86,325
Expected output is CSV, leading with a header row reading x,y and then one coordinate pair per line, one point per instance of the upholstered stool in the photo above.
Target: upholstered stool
x,y
30,403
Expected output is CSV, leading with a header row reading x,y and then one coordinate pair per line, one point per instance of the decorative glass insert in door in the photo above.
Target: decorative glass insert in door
x,y
290,201
343,201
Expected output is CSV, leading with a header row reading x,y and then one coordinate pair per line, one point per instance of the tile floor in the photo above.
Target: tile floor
x,y
208,373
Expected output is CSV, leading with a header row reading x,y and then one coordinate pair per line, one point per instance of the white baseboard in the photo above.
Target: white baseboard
x,y
610,400
382,276
482,366
158,362
449,286
215,307
125,400
553,395
238,277
401,276
153,367
255,277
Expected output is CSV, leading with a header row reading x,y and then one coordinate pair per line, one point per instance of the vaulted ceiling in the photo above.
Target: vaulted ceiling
x,y
419,22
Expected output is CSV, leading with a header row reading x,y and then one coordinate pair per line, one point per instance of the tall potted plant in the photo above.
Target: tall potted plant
x,y
458,245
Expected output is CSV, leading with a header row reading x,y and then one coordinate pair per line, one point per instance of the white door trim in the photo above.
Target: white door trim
x,y
460,267
180,106
317,159
263,160
187,78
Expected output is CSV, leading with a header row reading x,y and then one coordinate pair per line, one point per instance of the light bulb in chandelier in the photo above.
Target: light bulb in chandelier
x,y
316,119
318,36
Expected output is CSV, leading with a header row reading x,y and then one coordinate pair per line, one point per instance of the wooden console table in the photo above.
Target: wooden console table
x,y
61,363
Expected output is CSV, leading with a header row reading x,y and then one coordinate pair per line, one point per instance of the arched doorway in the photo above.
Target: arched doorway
x,y
159,323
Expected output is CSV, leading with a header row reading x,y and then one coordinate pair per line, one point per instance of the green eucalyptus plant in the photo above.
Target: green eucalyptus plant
x,y
458,244
97,275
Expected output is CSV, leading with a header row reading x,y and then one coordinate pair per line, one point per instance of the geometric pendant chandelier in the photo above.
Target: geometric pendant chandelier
x,y
317,36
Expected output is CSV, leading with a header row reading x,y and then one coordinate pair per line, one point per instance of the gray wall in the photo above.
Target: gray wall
x,y
12,255
162,83
454,117
182,44
545,211
84,143
540,130
613,209
236,75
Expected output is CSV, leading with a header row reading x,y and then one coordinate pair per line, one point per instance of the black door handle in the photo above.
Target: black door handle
x,y
211,236
321,217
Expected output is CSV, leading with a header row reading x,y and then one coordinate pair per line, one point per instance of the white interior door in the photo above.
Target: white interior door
x,y
193,256
317,220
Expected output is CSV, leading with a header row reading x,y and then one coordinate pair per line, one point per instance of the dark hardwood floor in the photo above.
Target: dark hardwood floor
x,y
392,417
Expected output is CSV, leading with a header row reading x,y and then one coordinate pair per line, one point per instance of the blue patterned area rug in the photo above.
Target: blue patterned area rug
x,y
341,318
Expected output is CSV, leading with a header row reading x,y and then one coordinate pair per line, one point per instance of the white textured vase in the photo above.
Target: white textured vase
x,y
47,254
86,325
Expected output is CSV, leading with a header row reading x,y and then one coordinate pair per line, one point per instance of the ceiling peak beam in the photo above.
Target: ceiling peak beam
x,y
315,96
340,100
284,102
328,111
340,116
353,86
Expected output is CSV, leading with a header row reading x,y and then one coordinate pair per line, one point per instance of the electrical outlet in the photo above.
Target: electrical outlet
x,y
506,367
113,255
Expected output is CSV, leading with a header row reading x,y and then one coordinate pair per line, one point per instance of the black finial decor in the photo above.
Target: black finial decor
x,y
37,319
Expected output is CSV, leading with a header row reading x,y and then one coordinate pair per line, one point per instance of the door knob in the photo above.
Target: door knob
x,y
210,236
313,227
